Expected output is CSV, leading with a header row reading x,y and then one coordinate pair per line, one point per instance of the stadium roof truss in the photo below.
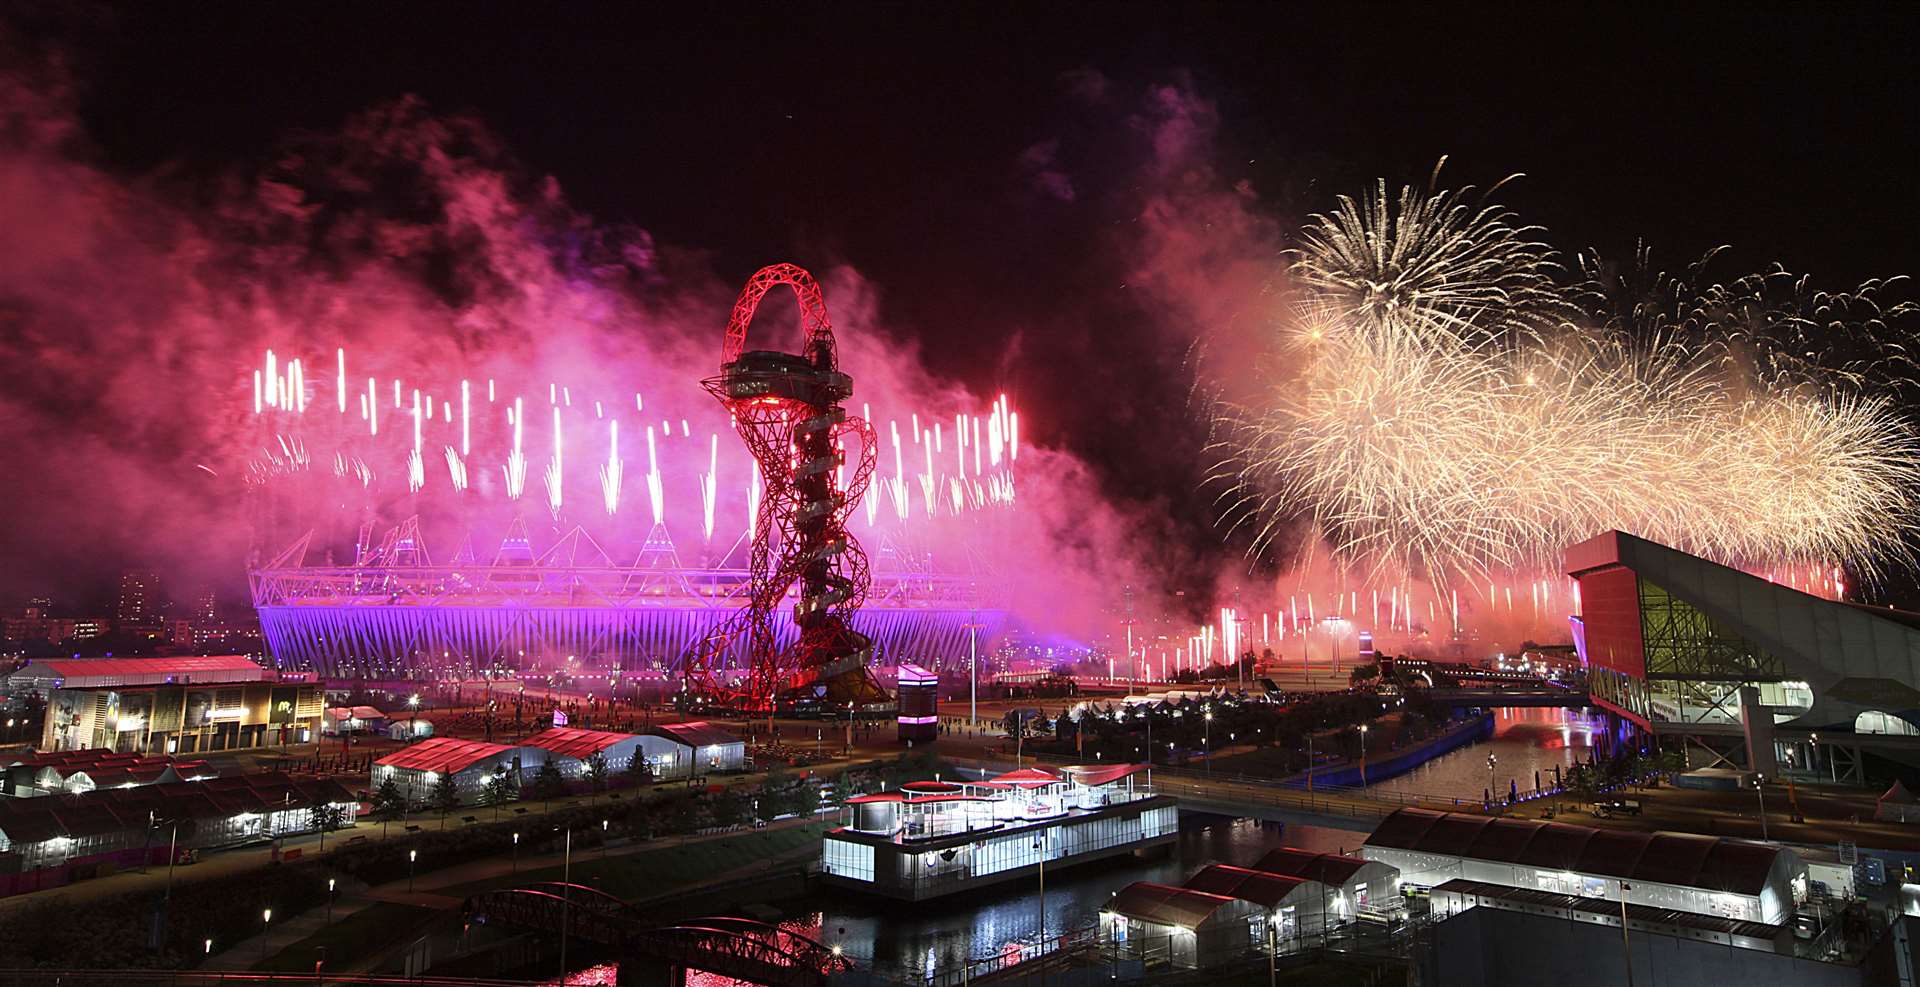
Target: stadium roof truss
x,y
571,599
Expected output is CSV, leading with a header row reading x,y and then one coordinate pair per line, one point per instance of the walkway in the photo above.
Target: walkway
x,y
429,890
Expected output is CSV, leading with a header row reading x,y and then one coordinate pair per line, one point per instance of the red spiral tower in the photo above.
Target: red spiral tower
x,y
787,408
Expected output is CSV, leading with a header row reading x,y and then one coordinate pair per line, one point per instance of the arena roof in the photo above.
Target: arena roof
x,y
94,673
442,754
699,733
1266,890
1327,868
1166,905
1681,859
574,742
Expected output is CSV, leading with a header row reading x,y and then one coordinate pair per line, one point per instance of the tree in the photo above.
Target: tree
x,y
389,803
1583,781
1363,673
768,803
326,816
841,791
445,797
1673,762
548,783
639,772
500,789
804,800
726,807
596,772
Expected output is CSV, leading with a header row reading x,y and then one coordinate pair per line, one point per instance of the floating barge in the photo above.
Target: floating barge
x,y
936,838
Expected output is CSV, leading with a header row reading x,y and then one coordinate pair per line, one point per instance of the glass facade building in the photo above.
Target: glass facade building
x,y
934,838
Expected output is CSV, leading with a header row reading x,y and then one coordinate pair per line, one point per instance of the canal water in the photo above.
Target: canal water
x,y
910,941
1526,743
907,942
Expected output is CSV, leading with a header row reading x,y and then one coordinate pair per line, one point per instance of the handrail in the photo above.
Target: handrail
x,y
226,978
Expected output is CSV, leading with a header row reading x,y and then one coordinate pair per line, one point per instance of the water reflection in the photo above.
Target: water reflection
x,y
1527,743
896,939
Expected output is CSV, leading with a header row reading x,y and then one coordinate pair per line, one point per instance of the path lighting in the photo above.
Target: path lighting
x,y
1363,755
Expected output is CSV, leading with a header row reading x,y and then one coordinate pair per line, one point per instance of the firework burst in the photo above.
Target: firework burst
x,y
1435,411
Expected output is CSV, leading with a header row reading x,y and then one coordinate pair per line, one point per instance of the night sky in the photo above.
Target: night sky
x,y
899,140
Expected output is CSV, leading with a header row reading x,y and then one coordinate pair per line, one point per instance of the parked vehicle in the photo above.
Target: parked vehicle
x,y
1616,807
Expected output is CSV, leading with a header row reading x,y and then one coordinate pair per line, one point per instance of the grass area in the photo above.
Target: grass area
x,y
1266,762
671,865
348,938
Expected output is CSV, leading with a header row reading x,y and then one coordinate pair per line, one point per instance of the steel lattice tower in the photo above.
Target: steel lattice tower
x,y
787,408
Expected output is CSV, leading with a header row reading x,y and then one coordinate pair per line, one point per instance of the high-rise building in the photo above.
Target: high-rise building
x,y
206,607
139,601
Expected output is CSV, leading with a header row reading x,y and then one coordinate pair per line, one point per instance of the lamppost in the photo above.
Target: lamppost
x,y
1273,946
330,885
413,710
1759,789
1626,944
1363,754
1309,763
412,856
603,832
516,854
1040,844
266,920
1207,729
1491,761
566,899
973,670
1149,718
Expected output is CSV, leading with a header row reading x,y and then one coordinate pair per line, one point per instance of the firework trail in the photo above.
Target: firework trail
x,y
1440,408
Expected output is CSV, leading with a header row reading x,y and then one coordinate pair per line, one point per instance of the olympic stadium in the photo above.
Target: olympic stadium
x,y
395,613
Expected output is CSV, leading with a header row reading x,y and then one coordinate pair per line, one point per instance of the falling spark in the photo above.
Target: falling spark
x,y
614,471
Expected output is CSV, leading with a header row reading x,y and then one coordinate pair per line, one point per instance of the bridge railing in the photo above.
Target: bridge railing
x,y
225,978
1337,800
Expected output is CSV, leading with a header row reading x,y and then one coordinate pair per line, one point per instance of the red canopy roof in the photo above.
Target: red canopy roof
x,y
1166,905
96,672
1028,778
445,754
1327,868
1268,891
699,733
1094,776
574,742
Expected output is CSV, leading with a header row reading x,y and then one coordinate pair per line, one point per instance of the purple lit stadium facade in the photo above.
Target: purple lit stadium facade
x,y
396,615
